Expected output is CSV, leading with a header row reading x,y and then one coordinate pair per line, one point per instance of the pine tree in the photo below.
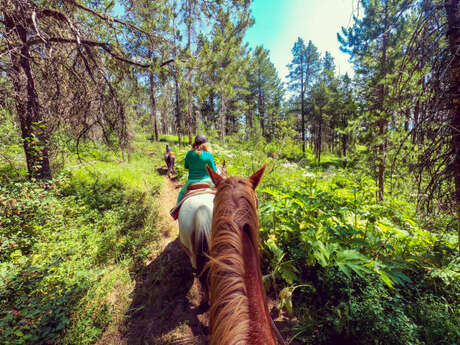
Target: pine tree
x,y
453,21
87,60
151,17
372,43
223,60
268,91
303,71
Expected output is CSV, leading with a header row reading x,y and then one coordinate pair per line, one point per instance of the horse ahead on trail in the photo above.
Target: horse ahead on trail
x,y
195,218
170,159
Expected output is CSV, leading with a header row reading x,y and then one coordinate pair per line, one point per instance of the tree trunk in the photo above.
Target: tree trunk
x,y
344,145
164,115
33,126
453,21
381,160
319,137
176,84
153,111
302,110
222,117
189,109
382,123
178,117
261,107
189,76
249,118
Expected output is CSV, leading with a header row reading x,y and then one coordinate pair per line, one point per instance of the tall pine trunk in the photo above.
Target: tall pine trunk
x,y
178,117
189,109
319,137
33,126
453,21
383,122
153,111
176,84
189,76
302,106
223,117
261,107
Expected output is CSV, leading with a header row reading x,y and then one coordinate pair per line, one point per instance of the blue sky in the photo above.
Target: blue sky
x,y
278,24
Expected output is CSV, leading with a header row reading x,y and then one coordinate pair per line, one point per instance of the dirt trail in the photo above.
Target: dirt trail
x,y
166,297
165,306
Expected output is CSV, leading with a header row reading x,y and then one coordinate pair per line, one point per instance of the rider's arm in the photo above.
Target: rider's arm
x,y
213,165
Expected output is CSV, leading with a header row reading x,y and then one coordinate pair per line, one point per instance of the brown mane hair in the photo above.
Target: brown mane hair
x,y
235,233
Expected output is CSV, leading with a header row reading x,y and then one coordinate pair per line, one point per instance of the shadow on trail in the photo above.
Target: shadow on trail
x,y
160,304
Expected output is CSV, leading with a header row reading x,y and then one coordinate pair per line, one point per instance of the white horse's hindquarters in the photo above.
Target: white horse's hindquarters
x,y
187,219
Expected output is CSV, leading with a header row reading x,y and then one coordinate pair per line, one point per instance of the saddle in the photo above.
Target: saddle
x,y
193,189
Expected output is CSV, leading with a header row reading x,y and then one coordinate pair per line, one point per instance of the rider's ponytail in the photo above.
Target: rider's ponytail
x,y
201,147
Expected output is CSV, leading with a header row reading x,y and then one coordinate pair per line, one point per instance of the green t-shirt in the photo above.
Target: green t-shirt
x,y
196,164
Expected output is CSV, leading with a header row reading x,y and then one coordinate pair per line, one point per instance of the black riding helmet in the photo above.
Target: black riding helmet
x,y
200,139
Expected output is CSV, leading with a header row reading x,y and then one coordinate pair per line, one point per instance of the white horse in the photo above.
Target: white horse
x,y
195,219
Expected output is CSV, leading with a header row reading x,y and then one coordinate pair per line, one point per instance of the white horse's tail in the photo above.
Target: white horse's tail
x,y
203,221
202,236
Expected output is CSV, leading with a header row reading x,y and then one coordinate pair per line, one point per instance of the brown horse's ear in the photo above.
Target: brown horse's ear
x,y
257,176
215,177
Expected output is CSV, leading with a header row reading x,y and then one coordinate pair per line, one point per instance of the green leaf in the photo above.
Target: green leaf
x,y
350,260
274,249
286,299
288,272
386,279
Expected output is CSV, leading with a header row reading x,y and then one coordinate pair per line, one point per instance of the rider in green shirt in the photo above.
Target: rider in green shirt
x,y
196,161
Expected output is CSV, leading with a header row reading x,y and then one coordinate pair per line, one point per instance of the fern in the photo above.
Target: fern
x,y
349,260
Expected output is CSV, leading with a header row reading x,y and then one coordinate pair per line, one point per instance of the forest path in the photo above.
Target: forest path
x,y
167,298
165,306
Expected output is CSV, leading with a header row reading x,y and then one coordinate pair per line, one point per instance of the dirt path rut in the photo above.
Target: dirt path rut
x,y
166,297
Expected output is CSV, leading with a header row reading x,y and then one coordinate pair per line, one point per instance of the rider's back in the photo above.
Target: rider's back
x,y
196,164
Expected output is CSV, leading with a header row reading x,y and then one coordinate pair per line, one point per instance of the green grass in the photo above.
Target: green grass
x,y
173,139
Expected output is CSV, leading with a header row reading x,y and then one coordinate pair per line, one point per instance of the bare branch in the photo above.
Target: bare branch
x,y
106,46
115,20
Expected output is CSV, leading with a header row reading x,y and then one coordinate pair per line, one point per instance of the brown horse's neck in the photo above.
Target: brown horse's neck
x,y
239,312
260,327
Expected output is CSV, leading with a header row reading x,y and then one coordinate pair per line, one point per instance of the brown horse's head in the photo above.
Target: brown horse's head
x,y
239,313
236,194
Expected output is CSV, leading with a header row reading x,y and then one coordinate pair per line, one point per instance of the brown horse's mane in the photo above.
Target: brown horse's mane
x,y
235,216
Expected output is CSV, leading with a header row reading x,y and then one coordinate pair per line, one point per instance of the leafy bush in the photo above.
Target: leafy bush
x,y
65,246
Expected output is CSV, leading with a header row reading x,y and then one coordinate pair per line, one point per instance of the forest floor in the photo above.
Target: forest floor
x,y
166,301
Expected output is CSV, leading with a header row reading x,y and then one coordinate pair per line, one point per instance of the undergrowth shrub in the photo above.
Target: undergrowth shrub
x,y
66,246
355,271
